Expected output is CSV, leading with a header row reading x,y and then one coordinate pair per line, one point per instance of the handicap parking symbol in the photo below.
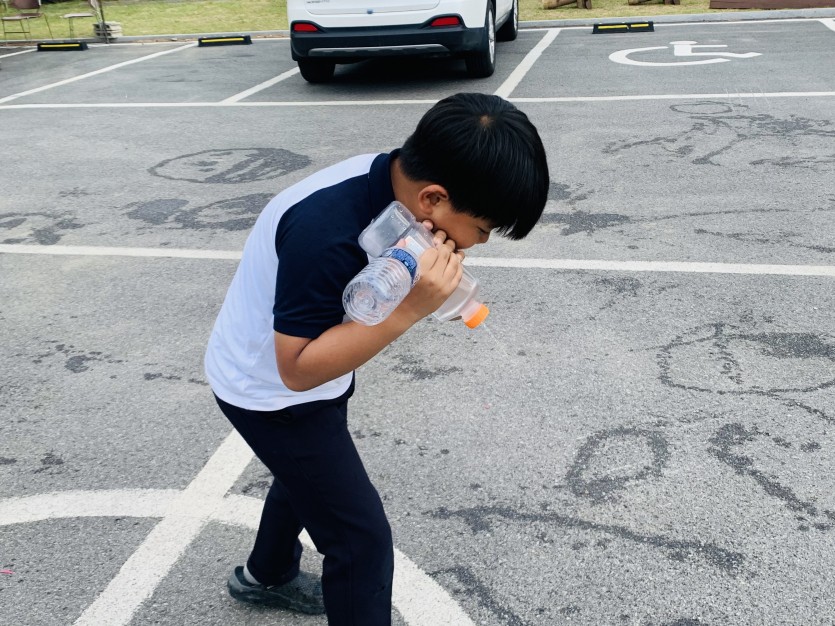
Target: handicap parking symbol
x,y
683,50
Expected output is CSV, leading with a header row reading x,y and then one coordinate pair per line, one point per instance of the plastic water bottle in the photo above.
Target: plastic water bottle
x,y
380,287
397,229
463,303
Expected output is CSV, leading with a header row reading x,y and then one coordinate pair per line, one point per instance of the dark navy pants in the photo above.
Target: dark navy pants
x,y
321,485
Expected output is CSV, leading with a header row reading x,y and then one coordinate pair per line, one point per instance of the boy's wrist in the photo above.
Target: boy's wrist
x,y
405,317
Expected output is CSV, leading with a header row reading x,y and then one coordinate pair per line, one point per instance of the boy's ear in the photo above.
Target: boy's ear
x,y
430,198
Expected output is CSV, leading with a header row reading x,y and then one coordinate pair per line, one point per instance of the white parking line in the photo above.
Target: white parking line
x,y
95,73
165,105
358,103
524,67
267,83
657,266
829,23
420,600
177,253
682,96
552,264
164,545
13,54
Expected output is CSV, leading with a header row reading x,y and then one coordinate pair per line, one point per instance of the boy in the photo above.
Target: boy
x,y
281,356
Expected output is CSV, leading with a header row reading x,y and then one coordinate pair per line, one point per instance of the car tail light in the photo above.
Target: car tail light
x,y
305,27
445,21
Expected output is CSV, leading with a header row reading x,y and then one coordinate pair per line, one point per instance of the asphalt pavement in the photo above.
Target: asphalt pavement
x,y
640,434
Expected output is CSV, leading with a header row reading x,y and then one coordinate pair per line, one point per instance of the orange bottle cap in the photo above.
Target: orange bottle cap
x,y
478,318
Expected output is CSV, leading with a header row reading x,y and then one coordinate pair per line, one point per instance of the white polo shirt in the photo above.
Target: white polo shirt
x,y
298,258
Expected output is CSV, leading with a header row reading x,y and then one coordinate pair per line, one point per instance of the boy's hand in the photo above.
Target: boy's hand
x,y
440,237
439,271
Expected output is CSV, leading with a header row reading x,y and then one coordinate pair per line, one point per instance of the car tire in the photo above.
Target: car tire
x,y
481,63
316,70
510,29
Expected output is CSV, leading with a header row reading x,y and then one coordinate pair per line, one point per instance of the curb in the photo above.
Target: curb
x,y
736,16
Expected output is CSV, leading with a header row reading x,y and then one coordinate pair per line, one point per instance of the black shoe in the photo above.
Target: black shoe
x,y
302,594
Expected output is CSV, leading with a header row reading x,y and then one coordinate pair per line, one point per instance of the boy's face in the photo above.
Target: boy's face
x,y
464,229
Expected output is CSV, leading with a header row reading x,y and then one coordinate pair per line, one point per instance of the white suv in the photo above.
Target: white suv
x,y
326,32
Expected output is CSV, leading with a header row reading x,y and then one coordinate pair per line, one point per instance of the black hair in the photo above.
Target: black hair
x,y
488,156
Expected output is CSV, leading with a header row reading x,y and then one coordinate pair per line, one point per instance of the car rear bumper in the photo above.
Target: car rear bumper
x,y
352,44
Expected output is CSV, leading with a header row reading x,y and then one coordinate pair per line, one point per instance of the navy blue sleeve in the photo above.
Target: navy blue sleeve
x,y
318,255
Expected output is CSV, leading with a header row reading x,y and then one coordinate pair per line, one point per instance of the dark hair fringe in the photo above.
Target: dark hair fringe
x,y
487,155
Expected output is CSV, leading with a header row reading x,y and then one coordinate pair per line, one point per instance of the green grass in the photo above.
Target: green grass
x,y
166,17
163,17
530,10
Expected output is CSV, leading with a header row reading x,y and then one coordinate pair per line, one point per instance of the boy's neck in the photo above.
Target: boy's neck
x,y
405,189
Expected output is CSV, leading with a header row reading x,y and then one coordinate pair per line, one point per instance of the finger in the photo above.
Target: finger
x,y
439,237
447,262
451,267
453,273
445,251
449,243
428,260
459,274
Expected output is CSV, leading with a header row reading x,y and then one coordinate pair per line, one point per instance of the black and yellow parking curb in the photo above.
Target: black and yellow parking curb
x,y
62,45
625,27
231,40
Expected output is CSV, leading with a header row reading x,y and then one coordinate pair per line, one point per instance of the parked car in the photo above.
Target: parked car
x,y
326,32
